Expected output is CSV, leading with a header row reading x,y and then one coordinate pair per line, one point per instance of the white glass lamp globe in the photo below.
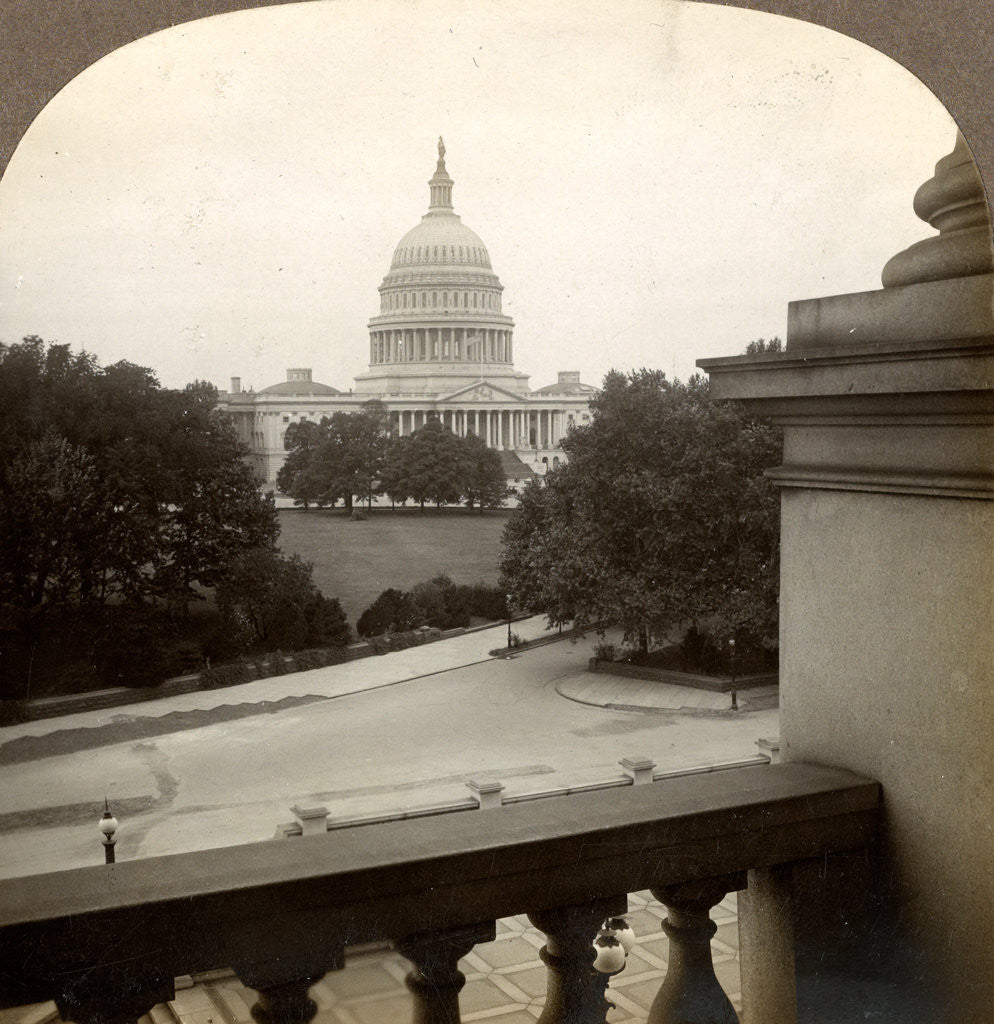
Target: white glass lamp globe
x,y
622,931
610,954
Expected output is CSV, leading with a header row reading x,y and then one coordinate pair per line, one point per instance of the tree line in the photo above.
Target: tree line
x,y
121,504
124,504
354,456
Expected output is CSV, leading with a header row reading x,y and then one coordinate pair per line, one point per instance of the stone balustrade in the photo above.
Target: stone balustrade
x,y
106,942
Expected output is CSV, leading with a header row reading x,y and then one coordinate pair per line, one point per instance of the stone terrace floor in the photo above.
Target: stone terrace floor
x,y
505,980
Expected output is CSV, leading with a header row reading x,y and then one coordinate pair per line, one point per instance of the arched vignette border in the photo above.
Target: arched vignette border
x,y
945,43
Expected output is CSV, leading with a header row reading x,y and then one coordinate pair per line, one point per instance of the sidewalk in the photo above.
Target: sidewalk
x,y
615,693
618,693
325,683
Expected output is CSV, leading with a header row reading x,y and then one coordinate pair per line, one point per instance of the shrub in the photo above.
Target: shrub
x,y
393,610
13,712
484,601
224,675
267,600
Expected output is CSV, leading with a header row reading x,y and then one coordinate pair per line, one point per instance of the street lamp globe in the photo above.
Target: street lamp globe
x,y
108,826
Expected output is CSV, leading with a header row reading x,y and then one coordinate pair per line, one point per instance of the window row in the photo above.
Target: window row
x,y
470,300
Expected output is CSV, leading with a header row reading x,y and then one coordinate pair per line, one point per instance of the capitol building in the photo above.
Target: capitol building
x,y
440,347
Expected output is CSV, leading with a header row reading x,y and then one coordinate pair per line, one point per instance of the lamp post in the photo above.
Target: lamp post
x,y
735,696
510,597
108,825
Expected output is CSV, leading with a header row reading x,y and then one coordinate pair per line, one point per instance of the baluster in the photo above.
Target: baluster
x,y
436,980
690,993
283,992
114,994
572,996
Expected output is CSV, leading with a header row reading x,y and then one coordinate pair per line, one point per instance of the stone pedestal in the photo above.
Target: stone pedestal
x,y
887,601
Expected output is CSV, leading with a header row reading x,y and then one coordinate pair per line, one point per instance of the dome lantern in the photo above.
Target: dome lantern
x,y
440,186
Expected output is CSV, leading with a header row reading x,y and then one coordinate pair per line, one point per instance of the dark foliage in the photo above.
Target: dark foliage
x,y
392,612
269,602
437,602
338,459
662,517
113,488
119,501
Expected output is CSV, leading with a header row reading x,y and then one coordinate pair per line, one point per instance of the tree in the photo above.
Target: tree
x,y
483,480
297,476
425,466
439,602
661,517
337,459
270,601
114,488
762,345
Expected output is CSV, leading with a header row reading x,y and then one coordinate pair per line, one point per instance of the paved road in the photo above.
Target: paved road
x,y
218,780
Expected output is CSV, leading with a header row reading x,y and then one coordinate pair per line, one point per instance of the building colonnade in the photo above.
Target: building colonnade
x,y
500,428
440,344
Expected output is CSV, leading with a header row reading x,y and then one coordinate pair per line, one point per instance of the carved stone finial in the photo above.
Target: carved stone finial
x,y
441,148
953,202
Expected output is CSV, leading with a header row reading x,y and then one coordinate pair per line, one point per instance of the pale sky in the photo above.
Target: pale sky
x,y
654,181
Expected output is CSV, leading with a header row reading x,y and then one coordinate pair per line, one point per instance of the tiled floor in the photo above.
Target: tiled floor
x,y
505,979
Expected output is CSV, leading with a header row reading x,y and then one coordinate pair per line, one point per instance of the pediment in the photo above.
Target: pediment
x,y
482,391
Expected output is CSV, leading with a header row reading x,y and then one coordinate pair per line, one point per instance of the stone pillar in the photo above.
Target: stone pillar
x,y
886,605
569,956
690,993
282,983
638,768
486,793
312,820
114,994
436,979
766,948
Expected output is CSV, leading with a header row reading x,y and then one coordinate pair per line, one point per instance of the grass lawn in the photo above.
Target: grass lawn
x,y
355,561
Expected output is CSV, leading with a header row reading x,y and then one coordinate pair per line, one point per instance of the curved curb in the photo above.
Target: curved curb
x,y
651,709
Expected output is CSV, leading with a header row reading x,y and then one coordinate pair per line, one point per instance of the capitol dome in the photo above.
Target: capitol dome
x,y
440,325
441,239
440,349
